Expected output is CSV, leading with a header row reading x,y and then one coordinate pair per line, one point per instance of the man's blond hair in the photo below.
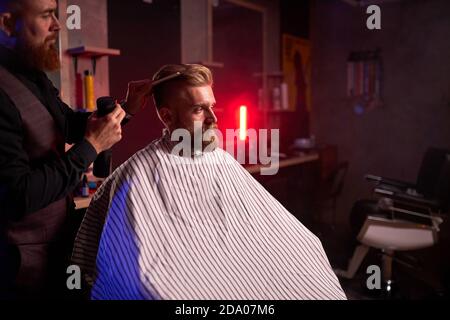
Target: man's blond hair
x,y
194,75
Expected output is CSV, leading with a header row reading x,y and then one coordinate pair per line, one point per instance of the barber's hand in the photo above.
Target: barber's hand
x,y
138,94
105,131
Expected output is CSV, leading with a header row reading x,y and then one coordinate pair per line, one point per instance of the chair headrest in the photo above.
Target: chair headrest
x,y
431,171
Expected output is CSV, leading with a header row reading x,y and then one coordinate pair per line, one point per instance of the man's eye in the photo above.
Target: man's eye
x,y
198,110
48,14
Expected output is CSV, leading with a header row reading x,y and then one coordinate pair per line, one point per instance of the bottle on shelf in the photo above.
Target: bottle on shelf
x,y
79,91
89,96
284,96
85,187
276,98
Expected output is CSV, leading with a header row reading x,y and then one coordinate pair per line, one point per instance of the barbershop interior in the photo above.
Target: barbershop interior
x,y
349,104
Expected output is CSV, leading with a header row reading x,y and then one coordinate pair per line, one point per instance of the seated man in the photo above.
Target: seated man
x,y
181,225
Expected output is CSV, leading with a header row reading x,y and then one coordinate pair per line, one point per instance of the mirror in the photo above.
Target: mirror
x,y
238,44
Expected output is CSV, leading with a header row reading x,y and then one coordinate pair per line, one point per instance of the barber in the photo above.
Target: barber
x,y
37,175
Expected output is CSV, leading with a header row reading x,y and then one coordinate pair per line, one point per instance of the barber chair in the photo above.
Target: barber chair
x,y
402,216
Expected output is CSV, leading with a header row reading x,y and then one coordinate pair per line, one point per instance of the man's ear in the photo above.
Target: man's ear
x,y
7,23
166,116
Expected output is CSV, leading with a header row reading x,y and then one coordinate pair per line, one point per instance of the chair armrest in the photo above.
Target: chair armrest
x,y
389,182
431,204
423,202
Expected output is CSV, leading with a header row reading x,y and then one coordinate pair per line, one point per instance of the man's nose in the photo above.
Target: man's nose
x,y
211,117
56,25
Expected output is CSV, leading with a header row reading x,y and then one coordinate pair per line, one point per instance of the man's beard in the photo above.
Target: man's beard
x,y
209,142
43,57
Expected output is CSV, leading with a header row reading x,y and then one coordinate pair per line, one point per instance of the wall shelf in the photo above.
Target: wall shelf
x,y
91,52
86,51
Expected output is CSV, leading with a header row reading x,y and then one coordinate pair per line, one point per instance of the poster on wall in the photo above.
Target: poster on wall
x,y
297,71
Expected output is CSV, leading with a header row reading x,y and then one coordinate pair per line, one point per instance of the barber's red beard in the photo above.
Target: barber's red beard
x,y
44,57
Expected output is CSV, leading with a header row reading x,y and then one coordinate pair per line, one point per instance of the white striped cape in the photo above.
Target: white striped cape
x,y
168,227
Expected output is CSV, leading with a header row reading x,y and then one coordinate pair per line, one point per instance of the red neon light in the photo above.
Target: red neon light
x,y
243,122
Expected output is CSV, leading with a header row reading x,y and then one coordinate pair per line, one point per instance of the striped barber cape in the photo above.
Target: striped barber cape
x,y
163,226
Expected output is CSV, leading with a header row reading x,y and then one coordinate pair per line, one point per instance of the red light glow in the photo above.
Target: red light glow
x,y
243,123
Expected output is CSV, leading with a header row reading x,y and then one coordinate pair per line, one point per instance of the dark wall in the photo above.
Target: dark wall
x,y
148,36
391,140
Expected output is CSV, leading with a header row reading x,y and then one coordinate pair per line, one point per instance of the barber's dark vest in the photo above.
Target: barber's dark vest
x,y
41,140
